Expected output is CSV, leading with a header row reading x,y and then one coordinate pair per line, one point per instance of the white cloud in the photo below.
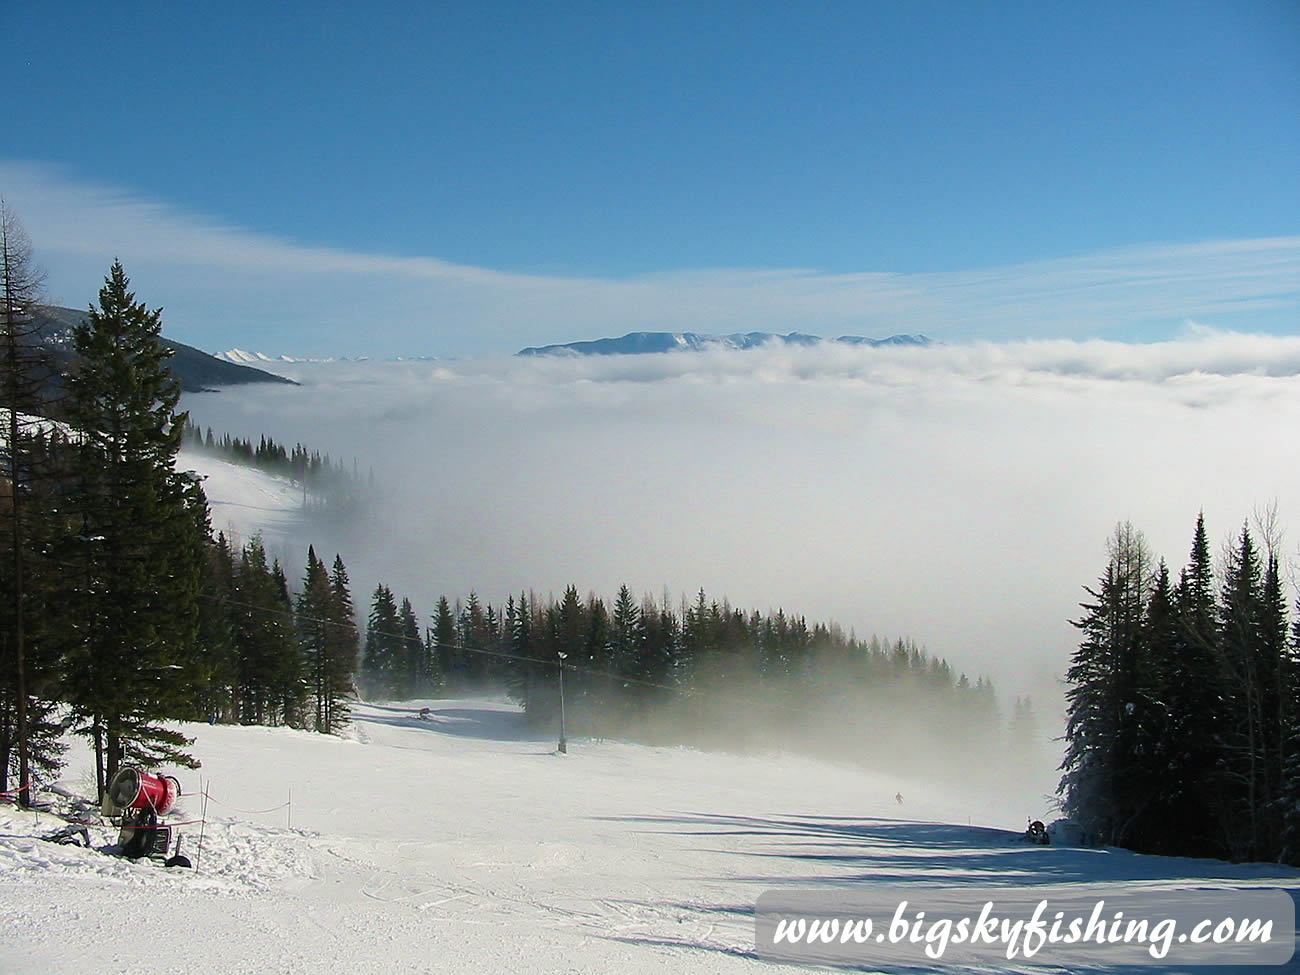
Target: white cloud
x,y
228,286
962,495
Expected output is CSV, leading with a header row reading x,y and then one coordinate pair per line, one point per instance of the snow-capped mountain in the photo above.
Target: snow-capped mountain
x,y
252,358
261,358
639,343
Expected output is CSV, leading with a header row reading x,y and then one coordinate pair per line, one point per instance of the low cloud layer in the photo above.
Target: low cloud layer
x,y
227,287
960,495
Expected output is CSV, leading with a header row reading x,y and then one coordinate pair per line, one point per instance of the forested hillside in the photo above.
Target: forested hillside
x,y
1184,723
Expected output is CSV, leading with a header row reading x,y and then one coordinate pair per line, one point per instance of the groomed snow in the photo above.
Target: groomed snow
x,y
465,843
244,501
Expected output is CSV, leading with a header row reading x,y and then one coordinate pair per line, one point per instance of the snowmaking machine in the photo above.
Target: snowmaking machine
x,y
137,799
1036,833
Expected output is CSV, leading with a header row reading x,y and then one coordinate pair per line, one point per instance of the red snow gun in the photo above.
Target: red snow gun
x,y
139,799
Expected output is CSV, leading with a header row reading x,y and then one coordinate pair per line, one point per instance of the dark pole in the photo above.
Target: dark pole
x,y
564,746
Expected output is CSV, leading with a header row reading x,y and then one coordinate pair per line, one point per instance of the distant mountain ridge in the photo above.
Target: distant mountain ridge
x,y
642,343
242,357
194,370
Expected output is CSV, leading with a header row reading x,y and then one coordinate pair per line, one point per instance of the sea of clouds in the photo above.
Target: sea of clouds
x,y
961,495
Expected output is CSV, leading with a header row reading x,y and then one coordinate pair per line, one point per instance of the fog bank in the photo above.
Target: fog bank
x,y
959,495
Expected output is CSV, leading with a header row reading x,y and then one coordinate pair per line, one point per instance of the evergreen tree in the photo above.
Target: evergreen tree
x,y
345,645
1155,796
384,666
655,667
138,537
217,662
474,636
1102,728
267,653
571,626
599,683
1196,707
1289,802
291,688
1251,648
312,623
27,737
523,675
1274,665
627,643
495,645
328,634
45,630
697,640
414,667
445,643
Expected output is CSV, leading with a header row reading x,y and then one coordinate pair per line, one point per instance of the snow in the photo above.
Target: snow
x,y
244,501
243,358
31,423
240,357
465,843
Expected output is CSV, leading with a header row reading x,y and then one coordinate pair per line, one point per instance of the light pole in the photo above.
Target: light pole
x,y
564,747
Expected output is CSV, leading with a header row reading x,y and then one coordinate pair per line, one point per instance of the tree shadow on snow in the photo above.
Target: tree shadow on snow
x,y
870,850
466,721
841,852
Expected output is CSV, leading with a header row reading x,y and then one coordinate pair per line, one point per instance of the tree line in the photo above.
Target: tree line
x,y
1183,731
698,672
298,463
267,656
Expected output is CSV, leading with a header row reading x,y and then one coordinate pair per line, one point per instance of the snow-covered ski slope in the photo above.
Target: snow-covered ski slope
x,y
244,501
465,843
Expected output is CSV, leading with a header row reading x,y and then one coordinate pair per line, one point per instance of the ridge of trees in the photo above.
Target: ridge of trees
x,y
298,463
1183,732
701,672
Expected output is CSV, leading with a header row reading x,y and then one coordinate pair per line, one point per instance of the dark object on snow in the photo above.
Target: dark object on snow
x,y
179,859
898,798
141,836
1037,833
70,835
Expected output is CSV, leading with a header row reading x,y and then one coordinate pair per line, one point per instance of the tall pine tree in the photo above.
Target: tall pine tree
x,y
1102,727
384,666
24,370
412,651
139,537
1196,704
1239,633
1289,799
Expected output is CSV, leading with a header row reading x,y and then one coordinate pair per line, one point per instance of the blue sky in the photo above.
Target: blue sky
x,y
465,180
